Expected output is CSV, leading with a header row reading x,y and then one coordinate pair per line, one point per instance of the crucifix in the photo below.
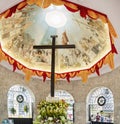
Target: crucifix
x,y
53,47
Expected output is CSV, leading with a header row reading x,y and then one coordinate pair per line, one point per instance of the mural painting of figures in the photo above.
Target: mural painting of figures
x,y
21,31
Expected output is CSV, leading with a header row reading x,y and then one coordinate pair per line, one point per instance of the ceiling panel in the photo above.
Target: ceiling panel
x,y
109,7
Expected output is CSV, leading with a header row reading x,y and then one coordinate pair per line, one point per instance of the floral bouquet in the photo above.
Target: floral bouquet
x,y
52,113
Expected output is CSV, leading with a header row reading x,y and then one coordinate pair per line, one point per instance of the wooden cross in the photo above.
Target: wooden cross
x,y
53,47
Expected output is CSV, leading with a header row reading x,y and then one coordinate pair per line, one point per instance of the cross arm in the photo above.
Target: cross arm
x,y
53,47
65,46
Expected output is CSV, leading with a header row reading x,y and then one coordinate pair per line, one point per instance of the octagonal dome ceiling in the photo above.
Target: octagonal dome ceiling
x,y
90,31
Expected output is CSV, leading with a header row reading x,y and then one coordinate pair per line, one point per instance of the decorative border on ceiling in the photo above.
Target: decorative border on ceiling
x,y
84,11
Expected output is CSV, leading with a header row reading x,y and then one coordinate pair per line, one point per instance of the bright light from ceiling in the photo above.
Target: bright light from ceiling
x,y
55,19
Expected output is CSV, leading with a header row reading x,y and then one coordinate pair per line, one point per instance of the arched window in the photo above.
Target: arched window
x,y
61,94
100,101
20,102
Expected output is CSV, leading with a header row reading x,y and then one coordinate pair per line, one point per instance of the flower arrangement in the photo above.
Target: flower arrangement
x,y
52,113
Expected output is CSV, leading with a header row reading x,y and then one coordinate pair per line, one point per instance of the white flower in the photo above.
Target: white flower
x,y
50,118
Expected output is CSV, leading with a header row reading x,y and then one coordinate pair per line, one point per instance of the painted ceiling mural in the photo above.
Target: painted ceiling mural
x,y
24,25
